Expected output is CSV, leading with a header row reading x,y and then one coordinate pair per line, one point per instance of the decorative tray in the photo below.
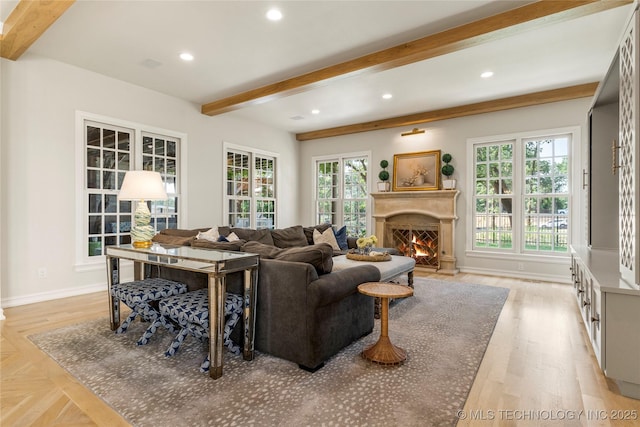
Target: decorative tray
x,y
370,258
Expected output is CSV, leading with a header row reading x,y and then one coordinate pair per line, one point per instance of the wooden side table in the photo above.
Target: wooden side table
x,y
383,351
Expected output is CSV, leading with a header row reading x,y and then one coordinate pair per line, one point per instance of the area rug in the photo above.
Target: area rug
x,y
445,329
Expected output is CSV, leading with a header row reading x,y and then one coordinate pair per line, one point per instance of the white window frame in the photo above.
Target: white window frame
x,y
83,262
340,158
517,252
253,153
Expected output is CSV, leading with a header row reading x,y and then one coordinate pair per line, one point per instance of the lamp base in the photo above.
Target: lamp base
x,y
145,244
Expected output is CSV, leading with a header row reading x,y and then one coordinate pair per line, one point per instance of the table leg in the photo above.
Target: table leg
x,y
383,351
249,311
138,270
113,278
410,278
217,295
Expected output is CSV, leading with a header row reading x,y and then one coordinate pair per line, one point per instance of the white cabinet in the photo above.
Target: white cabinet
x,y
628,158
610,310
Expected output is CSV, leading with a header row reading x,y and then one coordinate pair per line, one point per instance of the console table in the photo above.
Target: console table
x,y
217,264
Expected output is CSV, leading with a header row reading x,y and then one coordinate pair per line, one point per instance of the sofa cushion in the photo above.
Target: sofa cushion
x,y
173,240
326,236
224,246
341,238
251,235
289,237
265,251
182,232
319,256
308,231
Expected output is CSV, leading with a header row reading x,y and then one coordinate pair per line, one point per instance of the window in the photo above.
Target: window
x,y
108,157
109,149
521,193
250,188
160,154
494,195
342,192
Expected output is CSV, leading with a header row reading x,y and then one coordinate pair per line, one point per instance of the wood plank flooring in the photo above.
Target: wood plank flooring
x,y
538,367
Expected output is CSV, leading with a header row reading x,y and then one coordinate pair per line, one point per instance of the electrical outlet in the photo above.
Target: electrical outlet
x,y
42,273
520,266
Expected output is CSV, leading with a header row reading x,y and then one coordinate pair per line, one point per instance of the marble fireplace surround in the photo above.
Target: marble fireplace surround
x,y
439,204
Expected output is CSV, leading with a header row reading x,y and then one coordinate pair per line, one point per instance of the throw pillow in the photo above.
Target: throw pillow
x,y
308,231
222,239
289,237
210,235
232,237
341,238
326,236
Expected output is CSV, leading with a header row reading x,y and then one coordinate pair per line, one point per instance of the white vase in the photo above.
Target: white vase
x,y
384,186
448,184
419,180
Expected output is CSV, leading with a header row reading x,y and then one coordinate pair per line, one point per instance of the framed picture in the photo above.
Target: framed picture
x,y
416,171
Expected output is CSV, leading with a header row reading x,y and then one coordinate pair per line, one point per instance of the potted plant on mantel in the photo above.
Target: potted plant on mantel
x,y
384,184
447,170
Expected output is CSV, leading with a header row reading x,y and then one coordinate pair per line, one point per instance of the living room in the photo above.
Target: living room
x,y
44,100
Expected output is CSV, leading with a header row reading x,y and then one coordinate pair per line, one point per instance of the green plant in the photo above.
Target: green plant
x,y
383,175
447,170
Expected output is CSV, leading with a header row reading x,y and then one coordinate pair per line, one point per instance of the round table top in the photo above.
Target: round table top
x,y
385,290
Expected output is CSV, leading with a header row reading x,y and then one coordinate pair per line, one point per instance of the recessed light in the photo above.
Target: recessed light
x,y
186,56
315,111
387,96
486,74
274,15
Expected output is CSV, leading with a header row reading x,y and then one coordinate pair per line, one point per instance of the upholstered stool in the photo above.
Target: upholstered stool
x,y
191,312
139,296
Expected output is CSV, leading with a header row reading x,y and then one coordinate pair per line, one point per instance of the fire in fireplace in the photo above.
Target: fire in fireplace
x,y
418,242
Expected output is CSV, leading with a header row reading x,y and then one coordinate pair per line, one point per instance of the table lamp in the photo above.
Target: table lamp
x,y
142,186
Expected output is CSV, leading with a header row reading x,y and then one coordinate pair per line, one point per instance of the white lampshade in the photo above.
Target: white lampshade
x,y
142,185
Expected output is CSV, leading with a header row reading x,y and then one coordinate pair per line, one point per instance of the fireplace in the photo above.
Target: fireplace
x,y
420,224
417,241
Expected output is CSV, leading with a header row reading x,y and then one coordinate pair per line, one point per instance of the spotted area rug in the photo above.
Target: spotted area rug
x,y
445,329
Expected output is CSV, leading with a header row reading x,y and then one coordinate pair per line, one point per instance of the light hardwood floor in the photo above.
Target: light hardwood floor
x,y
538,367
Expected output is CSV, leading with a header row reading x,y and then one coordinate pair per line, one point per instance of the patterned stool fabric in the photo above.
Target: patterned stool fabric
x,y
139,295
191,312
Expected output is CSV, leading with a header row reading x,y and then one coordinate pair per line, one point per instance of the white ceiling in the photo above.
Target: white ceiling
x,y
237,49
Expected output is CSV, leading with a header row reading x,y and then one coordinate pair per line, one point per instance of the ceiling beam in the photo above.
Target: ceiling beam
x,y
27,22
554,95
509,23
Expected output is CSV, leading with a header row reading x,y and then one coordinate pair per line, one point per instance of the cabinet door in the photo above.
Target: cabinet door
x,y
622,338
594,323
628,152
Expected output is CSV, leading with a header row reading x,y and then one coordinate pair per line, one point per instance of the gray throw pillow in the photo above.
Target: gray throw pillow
x,y
289,237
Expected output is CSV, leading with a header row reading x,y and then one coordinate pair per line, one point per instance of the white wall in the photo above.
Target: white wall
x,y
40,98
451,136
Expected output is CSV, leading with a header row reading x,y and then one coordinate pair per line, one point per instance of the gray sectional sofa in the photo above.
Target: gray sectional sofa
x,y
305,312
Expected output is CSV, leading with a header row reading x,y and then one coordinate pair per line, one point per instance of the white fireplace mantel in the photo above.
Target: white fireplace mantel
x,y
439,204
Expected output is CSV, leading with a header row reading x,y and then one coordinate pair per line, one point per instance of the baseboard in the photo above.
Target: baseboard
x,y
518,275
52,295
